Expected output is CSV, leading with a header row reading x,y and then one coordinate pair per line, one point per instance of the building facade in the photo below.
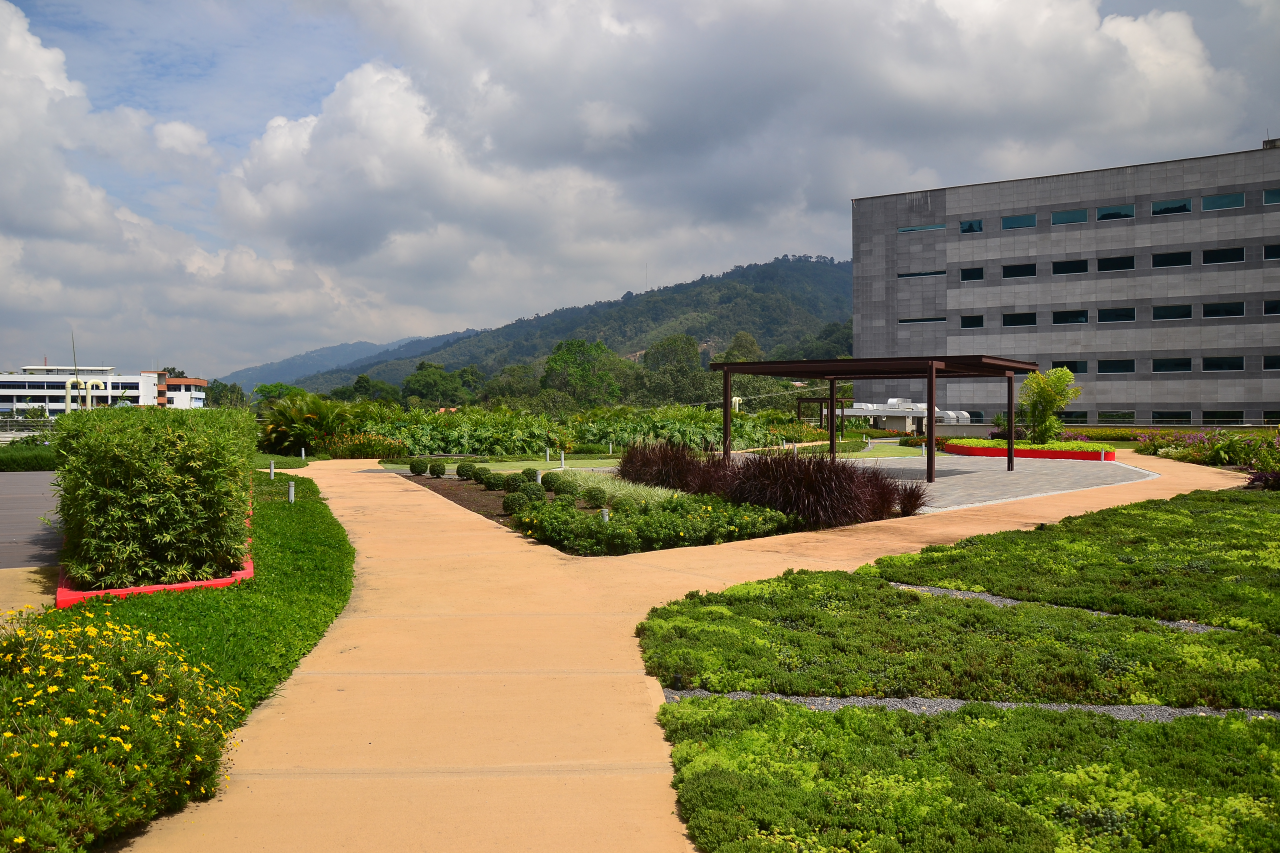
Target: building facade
x,y
58,389
1157,285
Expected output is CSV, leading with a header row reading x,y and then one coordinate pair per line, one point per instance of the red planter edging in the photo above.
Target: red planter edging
x,y
1032,453
68,596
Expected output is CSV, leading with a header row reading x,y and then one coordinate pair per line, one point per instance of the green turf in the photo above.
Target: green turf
x,y
263,460
841,634
1211,557
771,776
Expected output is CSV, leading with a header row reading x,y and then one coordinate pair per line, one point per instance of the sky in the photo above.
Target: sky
x,y
220,183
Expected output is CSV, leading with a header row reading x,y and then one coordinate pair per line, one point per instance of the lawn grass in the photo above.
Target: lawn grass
x,y
28,458
263,460
772,776
247,638
841,634
1211,557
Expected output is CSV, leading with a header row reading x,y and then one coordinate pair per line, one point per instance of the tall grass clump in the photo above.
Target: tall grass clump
x,y
824,492
152,496
28,459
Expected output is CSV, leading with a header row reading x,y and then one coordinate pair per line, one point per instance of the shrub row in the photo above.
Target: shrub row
x,y
1215,447
28,458
1085,446
821,491
153,495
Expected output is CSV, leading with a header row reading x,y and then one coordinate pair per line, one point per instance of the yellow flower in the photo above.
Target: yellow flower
x,y
53,732
70,774
19,839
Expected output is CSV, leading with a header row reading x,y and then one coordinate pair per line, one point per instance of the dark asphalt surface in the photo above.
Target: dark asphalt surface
x,y
25,540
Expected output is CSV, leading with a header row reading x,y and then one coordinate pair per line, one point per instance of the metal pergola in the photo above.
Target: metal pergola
x,y
844,369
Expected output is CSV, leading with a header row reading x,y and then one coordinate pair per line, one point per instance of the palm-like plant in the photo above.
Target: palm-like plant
x,y
294,422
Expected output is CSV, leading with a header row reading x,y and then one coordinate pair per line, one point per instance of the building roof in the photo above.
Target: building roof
x,y
947,367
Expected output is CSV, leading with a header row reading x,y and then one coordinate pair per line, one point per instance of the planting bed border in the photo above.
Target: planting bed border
x,y
67,596
1032,453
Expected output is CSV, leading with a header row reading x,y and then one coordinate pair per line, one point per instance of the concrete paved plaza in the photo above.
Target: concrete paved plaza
x,y
28,547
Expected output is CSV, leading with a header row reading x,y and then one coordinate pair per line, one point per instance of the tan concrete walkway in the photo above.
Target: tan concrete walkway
x,y
482,692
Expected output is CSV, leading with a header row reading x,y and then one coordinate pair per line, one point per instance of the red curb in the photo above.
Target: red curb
x,y
1032,453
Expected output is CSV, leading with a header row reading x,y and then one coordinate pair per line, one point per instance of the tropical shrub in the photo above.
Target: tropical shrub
x,y
514,503
153,495
594,497
615,487
1215,447
513,482
674,466
1041,397
466,470
534,492
358,445
419,466
623,504
293,423
436,469
469,430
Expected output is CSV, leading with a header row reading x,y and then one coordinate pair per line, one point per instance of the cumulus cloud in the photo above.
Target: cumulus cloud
x,y
506,156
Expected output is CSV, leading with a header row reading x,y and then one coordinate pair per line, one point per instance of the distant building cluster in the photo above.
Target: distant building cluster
x,y
58,389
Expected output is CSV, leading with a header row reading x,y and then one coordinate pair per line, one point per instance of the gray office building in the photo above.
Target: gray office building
x,y
1158,285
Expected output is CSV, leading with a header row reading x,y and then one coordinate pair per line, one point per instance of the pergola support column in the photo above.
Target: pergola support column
x,y
1012,426
728,415
930,424
831,416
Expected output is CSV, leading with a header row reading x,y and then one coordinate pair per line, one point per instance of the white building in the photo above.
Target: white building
x,y
58,389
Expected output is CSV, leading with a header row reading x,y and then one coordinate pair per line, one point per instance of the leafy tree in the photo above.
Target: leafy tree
x,y
472,378
1041,398
175,372
220,395
374,389
677,352
583,371
435,386
675,374
345,393
743,347
276,391
515,380
835,340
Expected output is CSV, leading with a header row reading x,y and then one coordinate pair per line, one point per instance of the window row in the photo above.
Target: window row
x,y
1207,417
1208,364
1120,263
1074,316
1167,207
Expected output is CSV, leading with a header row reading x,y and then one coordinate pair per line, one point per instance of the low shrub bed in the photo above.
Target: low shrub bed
x,y
237,644
840,634
153,496
672,523
28,458
1205,556
1083,446
772,776
1215,447
359,445
264,460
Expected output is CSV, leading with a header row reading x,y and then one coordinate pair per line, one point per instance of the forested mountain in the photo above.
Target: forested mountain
x,y
786,304
289,369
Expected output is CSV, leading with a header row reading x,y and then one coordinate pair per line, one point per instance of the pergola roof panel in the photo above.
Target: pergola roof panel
x,y
947,367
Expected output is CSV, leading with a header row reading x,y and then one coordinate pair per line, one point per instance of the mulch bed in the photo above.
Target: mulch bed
x,y
467,494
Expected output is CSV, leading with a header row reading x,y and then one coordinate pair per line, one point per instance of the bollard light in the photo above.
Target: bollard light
x,y
291,491
304,454
610,449
605,512
273,469
562,459
539,477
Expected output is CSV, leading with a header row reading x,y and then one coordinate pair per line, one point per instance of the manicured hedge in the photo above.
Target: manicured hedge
x,y
1086,446
153,495
28,459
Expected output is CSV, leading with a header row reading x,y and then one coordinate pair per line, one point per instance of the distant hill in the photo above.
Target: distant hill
x,y
410,352
781,303
326,358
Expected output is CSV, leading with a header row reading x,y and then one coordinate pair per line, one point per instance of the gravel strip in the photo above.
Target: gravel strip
x,y
917,705
1000,601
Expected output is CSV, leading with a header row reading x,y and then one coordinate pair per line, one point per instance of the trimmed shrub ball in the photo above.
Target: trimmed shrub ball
x,y
534,492
513,482
494,482
564,486
594,496
436,469
514,502
419,465
530,474
623,505
549,480
480,473
466,470
566,500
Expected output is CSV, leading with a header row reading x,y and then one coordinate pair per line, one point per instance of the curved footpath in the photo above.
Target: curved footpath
x,y
483,692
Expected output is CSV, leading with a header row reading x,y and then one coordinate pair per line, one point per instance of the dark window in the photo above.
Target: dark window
x,y
1026,319
1117,315
1116,365
1115,211
1113,264
1019,270
1073,366
1223,309
1171,312
1061,318
921,274
1068,217
1223,256
1171,417
1070,267
1223,418
1115,417
924,320
1073,417
1171,259
12,386
971,226
971,274
1226,201
1171,365
1271,306
1174,205
1271,362
1271,418
909,228
1271,253
1222,362
1271,196
1009,223
973,321
975,417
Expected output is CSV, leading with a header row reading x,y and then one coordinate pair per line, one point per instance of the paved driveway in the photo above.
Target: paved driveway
x,y
25,540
